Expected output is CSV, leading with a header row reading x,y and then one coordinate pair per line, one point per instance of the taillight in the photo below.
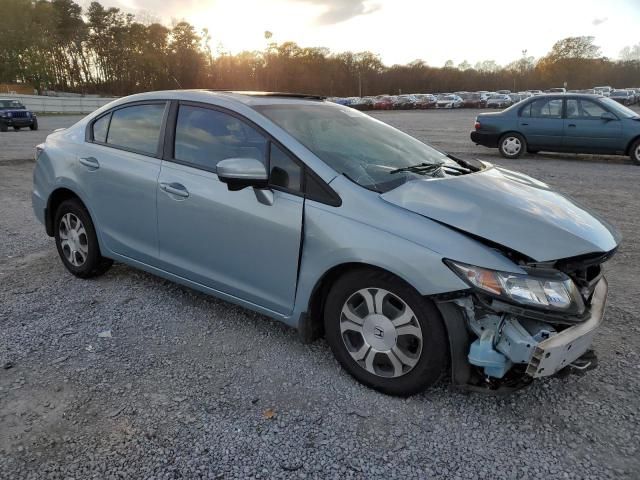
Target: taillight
x,y
39,150
477,125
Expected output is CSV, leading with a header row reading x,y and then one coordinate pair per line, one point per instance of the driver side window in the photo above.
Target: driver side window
x,y
205,136
591,110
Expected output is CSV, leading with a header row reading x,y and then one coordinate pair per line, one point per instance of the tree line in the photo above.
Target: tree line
x,y
55,45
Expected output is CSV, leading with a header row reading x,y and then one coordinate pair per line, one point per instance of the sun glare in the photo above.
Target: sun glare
x,y
233,29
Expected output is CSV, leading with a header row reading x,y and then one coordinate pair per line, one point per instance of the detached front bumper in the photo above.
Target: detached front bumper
x,y
562,349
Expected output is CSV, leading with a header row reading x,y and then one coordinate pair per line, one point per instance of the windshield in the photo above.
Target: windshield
x,y
354,144
618,108
10,104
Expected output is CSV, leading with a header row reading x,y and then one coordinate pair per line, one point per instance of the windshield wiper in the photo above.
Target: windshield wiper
x,y
419,168
469,166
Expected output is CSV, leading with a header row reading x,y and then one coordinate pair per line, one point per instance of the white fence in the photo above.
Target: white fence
x,y
42,104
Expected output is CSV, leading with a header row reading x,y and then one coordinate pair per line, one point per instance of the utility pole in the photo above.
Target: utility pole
x,y
359,83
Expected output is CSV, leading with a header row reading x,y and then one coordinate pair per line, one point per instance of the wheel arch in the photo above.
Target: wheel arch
x,y
311,323
507,132
627,151
56,197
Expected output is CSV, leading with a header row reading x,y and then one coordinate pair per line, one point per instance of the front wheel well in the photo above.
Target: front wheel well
x,y
630,144
55,199
311,325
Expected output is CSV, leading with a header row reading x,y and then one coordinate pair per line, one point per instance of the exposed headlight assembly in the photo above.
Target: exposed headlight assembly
x,y
548,290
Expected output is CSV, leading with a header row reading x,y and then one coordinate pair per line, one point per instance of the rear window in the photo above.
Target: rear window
x,y
100,128
136,128
543,108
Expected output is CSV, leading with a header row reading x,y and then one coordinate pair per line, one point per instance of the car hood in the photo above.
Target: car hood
x,y
509,209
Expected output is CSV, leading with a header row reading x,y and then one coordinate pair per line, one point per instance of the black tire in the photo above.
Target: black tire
x,y
432,358
634,152
3,127
17,128
34,125
94,263
516,139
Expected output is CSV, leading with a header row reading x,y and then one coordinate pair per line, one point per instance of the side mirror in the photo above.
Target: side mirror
x,y
239,173
608,116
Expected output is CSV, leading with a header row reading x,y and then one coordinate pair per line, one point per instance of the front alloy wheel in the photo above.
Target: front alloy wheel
x,y
380,332
384,333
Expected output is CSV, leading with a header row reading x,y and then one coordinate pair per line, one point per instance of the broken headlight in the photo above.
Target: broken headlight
x,y
548,289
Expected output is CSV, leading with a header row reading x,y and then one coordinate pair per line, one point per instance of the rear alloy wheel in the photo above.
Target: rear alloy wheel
x,y
512,145
635,152
77,242
384,333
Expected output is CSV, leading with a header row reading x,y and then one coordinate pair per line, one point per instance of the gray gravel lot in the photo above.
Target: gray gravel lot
x,y
189,386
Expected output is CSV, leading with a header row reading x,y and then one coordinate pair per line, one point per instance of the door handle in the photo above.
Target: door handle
x,y
90,162
572,125
524,124
175,189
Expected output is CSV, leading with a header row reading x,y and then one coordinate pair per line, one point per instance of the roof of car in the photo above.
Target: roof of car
x,y
248,97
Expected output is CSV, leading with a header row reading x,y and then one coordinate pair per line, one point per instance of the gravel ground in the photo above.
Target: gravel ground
x,y
188,386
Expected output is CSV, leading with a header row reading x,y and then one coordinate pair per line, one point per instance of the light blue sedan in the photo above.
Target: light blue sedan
x,y
410,262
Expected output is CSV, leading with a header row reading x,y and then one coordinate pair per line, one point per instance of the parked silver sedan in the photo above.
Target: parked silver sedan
x,y
410,261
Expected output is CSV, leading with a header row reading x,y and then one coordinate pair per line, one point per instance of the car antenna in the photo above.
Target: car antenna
x,y
176,80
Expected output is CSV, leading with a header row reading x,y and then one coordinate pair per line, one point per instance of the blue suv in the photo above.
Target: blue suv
x,y
15,114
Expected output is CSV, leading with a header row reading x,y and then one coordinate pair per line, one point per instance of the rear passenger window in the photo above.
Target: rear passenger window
x,y
547,108
205,136
285,172
100,128
136,128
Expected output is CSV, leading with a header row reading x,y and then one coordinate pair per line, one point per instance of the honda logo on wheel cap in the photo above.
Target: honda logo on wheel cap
x,y
378,332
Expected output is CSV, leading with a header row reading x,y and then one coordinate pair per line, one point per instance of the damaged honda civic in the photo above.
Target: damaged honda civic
x,y
411,262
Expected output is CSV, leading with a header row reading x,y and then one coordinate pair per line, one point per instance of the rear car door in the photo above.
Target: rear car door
x,y
541,122
586,132
118,168
229,240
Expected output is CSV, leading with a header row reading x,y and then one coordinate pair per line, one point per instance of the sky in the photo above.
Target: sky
x,y
401,31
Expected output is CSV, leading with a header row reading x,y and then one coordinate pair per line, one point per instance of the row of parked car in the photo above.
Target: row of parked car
x,y
480,99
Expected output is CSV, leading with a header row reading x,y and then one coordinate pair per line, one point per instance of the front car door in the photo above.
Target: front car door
x,y
585,130
542,124
118,166
229,240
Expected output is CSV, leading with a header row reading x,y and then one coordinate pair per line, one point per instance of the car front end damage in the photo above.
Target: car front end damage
x,y
506,340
